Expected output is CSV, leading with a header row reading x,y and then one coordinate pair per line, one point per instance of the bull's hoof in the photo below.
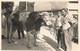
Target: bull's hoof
x,y
36,45
9,42
7,38
13,37
23,37
12,41
28,46
19,37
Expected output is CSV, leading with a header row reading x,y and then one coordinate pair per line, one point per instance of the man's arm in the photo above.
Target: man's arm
x,y
72,21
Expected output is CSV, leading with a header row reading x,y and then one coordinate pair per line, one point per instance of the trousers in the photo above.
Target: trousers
x,y
68,34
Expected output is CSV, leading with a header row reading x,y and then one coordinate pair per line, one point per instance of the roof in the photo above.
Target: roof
x,y
47,6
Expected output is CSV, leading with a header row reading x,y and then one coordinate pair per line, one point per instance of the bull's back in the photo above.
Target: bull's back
x,y
29,25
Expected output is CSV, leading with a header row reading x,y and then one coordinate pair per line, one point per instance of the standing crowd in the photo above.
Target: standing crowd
x,y
61,26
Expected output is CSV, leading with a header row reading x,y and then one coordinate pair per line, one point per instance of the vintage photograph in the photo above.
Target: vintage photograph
x,y
44,26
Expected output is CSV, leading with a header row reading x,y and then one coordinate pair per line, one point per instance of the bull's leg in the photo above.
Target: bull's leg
x,y
35,37
19,37
23,34
9,34
23,28
8,30
12,33
28,38
9,40
11,37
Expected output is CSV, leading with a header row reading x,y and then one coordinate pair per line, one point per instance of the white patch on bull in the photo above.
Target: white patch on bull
x,y
25,32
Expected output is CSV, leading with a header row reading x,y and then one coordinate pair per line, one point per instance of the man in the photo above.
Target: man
x,y
68,23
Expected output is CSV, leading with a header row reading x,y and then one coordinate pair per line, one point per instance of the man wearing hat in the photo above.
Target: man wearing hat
x,y
68,23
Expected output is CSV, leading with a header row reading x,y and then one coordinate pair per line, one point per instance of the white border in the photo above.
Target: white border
x,y
41,1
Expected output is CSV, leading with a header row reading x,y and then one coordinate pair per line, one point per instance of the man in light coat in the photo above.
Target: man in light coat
x,y
68,23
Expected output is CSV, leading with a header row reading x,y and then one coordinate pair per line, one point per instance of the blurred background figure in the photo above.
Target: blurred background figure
x,y
4,24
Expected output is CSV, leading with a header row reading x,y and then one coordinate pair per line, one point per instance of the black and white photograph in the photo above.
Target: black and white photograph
x,y
39,26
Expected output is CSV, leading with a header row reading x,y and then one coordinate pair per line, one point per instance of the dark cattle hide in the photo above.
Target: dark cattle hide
x,y
33,24
13,25
34,21
18,24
